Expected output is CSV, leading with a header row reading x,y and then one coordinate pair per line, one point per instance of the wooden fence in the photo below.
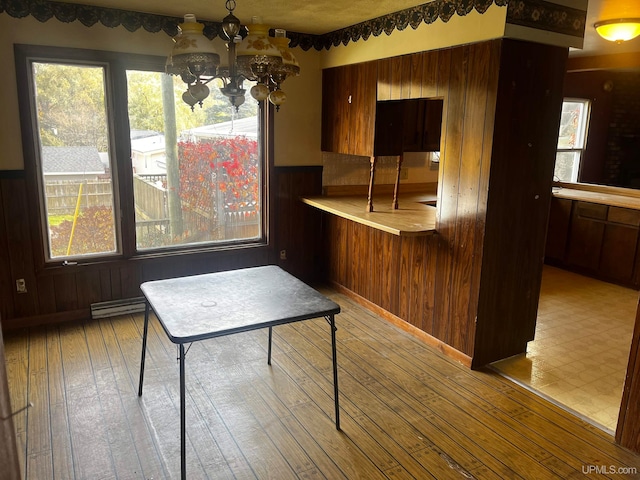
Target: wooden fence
x,y
62,195
150,196
153,228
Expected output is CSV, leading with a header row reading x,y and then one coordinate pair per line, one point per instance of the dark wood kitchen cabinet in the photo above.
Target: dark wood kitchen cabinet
x,y
349,108
595,239
558,230
586,234
412,125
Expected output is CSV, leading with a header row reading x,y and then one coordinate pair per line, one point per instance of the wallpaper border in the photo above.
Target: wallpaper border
x,y
538,14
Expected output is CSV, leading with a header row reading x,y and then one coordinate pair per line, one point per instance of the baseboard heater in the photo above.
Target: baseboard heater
x,y
117,307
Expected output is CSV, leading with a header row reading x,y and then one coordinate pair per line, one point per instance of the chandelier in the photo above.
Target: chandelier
x,y
257,58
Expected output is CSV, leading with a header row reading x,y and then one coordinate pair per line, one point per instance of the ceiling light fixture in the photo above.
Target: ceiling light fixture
x,y
258,57
618,30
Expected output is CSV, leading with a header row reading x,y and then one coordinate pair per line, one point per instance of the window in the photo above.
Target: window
x,y
125,167
572,139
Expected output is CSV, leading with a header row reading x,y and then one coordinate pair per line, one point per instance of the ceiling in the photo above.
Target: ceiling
x,y
323,16
605,10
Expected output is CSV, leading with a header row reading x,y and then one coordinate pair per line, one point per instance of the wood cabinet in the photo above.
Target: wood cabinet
x,y
422,125
354,123
587,231
412,125
595,239
558,230
348,109
389,128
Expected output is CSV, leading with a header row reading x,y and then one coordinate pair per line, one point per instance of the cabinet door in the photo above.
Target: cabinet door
x,y
432,125
336,99
348,109
389,128
558,230
618,255
330,104
362,109
415,114
587,232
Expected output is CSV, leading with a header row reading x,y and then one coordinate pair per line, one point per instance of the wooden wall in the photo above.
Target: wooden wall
x,y
525,130
387,270
628,429
66,293
474,285
297,226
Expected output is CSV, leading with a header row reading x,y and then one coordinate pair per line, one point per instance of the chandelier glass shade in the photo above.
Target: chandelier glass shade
x,y
258,58
618,30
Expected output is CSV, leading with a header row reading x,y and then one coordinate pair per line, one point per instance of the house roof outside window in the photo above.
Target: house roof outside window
x,y
71,161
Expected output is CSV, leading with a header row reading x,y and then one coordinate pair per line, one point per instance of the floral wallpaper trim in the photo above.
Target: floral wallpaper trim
x,y
538,14
544,15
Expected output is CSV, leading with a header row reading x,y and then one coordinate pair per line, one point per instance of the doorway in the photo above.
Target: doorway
x,y
578,359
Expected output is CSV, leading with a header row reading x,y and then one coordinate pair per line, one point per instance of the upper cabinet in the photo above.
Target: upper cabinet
x,y
411,125
354,123
348,109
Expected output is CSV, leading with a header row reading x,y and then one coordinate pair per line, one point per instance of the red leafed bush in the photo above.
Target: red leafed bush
x,y
225,165
94,233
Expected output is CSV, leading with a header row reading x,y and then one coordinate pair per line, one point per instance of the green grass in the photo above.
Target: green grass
x,y
55,220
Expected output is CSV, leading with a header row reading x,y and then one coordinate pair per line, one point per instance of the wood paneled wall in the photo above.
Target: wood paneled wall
x,y
298,226
525,129
66,293
387,270
474,285
628,429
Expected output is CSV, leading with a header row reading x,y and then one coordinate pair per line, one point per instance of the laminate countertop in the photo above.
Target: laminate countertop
x,y
615,197
415,216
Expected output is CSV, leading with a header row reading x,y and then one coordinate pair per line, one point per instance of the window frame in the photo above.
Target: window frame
x,y
116,66
575,174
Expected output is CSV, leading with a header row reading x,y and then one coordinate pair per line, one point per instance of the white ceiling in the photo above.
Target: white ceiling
x,y
323,16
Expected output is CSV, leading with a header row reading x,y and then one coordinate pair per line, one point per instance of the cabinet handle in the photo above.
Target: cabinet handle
x,y
349,99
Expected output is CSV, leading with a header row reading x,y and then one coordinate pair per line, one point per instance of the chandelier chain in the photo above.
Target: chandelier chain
x,y
230,5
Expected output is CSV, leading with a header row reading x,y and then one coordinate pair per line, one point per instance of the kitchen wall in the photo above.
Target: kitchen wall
x,y
613,136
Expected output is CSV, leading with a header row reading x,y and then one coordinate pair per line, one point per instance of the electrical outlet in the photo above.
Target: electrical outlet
x,y
283,254
404,174
21,285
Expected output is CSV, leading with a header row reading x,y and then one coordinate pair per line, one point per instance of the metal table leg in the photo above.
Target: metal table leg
x,y
144,346
183,441
332,323
269,349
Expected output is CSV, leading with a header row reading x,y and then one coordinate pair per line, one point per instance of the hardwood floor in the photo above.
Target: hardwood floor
x,y
406,410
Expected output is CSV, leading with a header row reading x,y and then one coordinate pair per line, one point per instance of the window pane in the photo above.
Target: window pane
x,y
76,187
196,174
567,164
573,124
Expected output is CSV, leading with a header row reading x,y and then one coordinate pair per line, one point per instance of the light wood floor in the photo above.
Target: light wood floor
x,y
406,410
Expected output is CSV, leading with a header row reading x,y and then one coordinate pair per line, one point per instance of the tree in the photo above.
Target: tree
x,y
71,105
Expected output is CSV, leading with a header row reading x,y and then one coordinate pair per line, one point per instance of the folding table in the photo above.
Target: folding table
x,y
216,304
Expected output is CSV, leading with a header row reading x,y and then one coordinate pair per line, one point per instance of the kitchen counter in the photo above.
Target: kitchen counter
x,y
415,216
603,195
